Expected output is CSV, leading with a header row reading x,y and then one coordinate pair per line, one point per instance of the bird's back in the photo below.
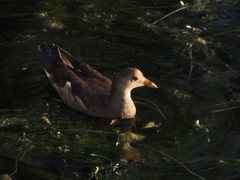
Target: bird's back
x,y
77,83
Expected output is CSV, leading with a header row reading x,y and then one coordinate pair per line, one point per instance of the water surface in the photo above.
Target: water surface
x,y
190,51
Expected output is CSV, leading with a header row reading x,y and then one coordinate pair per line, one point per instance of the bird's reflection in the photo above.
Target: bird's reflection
x,y
125,138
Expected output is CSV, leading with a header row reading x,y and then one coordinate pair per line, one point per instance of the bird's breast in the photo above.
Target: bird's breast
x,y
127,109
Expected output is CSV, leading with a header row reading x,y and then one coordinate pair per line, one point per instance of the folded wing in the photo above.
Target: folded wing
x,y
78,84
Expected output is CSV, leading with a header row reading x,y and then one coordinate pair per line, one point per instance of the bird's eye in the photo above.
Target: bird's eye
x,y
134,78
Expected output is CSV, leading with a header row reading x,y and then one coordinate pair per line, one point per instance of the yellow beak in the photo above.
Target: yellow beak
x,y
149,83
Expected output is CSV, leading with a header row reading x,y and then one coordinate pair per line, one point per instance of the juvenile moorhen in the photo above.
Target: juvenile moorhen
x,y
85,89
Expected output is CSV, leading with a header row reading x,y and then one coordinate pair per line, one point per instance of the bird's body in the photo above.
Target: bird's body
x,y
85,89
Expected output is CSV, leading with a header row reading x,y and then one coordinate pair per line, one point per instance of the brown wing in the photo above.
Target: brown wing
x,y
81,68
84,82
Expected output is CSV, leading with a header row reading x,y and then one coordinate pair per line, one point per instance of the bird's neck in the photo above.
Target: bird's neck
x,y
122,104
121,95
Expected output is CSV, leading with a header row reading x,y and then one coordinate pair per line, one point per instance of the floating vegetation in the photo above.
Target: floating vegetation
x,y
148,25
5,177
190,48
201,41
130,137
198,126
181,94
13,123
64,148
105,171
46,120
51,15
152,124
43,14
54,24
96,16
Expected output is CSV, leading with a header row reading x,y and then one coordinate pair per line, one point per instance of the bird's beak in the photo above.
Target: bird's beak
x,y
149,83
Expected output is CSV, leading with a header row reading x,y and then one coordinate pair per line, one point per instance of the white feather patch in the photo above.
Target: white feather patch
x,y
66,95
80,101
48,75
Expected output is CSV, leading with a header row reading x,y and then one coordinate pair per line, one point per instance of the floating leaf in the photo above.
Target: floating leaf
x,y
97,170
58,134
206,129
208,139
182,3
53,24
197,124
188,26
201,41
46,120
151,125
5,177
43,14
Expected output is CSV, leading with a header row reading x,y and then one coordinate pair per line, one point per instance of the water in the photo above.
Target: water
x,y
192,55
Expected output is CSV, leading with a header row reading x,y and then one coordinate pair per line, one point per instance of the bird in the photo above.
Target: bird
x,y
83,88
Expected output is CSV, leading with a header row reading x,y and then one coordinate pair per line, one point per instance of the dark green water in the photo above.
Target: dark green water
x,y
193,55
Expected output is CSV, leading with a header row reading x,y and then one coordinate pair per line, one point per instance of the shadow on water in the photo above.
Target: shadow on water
x,y
189,128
